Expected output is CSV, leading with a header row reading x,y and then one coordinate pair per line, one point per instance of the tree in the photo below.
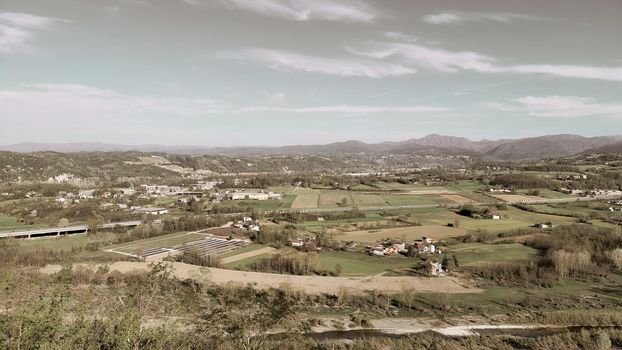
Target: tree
x,y
449,263
344,201
246,315
63,222
602,341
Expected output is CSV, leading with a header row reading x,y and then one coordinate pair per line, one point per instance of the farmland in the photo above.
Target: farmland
x,y
305,201
409,233
359,264
357,244
470,254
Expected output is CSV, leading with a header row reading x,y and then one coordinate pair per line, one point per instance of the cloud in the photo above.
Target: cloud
x,y
192,2
42,100
343,67
18,29
308,10
462,17
559,107
275,97
409,54
85,104
349,109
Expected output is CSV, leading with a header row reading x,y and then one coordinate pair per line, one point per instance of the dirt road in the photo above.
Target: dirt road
x,y
309,284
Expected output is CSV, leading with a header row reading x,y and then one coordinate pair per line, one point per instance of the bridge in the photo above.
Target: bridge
x,y
69,230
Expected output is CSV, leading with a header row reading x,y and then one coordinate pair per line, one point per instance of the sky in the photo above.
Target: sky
x,y
280,72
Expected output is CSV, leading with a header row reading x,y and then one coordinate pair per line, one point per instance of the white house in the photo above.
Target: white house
x,y
260,196
297,243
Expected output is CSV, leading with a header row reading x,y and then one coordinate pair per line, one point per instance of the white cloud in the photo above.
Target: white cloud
x,y
275,97
410,54
72,100
348,109
308,10
354,67
559,107
18,29
462,17
71,103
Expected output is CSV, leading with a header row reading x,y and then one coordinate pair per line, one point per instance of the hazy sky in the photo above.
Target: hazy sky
x,y
274,72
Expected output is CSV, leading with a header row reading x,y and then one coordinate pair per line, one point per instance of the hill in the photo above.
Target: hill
x,y
541,147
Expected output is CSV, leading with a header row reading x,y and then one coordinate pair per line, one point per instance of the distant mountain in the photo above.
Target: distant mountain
x,y
548,146
526,148
615,148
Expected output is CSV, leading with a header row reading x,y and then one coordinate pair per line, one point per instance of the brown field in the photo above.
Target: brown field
x,y
514,197
457,198
365,200
308,284
305,201
409,233
331,199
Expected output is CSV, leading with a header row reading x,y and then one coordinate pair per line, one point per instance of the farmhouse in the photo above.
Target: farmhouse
x,y
88,194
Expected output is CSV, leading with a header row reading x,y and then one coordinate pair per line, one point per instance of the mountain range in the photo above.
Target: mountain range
x,y
506,149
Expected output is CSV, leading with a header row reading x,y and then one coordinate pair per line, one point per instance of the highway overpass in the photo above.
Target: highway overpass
x,y
58,231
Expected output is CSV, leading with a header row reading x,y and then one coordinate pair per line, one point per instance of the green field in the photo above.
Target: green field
x,y
368,200
64,243
242,250
408,199
470,254
513,218
9,223
361,264
319,224
574,209
267,205
245,262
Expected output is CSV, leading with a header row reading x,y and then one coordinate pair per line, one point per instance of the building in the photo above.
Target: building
x,y
260,196
126,191
151,211
88,194
205,186
297,243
